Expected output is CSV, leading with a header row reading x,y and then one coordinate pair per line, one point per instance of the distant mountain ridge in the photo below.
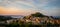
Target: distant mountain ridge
x,y
17,16
13,16
56,16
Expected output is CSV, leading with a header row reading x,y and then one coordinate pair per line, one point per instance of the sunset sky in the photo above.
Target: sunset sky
x,y
26,7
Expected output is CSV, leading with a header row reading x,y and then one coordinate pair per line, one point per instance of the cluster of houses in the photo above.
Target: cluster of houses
x,y
34,20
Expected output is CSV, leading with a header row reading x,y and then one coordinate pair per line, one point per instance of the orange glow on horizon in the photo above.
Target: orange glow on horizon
x,y
13,10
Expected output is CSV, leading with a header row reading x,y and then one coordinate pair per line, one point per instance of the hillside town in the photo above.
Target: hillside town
x,y
33,19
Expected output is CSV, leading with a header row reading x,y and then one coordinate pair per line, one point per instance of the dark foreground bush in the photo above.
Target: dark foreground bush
x,y
30,25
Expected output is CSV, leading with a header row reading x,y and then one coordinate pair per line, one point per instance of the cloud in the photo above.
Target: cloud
x,y
16,7
28,7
